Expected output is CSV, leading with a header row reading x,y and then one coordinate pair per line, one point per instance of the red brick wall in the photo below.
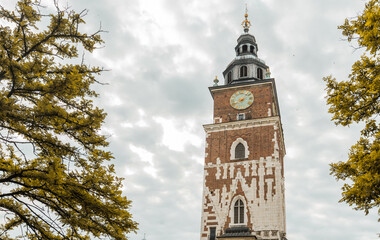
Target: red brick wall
x,y
259,140
262,100
260,143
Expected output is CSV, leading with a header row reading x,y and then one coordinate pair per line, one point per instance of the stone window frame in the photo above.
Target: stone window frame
x,y
239,212
234,200
233,147
240,151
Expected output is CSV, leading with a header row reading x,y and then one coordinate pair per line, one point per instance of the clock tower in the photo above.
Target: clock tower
x,y
243,186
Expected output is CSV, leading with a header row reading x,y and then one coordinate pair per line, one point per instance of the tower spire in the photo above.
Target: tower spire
x,y
246,24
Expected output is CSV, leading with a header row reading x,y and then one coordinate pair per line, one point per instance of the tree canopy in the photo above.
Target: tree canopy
x,y
55,181
355,100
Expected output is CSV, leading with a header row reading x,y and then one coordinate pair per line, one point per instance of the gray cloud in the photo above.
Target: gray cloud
x,y
163,56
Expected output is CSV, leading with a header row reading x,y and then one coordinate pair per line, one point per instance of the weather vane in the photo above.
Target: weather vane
x,y
246,24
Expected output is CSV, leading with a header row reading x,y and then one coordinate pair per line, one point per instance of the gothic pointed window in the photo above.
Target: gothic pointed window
x,y
243,71
240,151
239,212
259,73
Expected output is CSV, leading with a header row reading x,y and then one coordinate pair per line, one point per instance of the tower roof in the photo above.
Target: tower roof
x,y
246,39
246,57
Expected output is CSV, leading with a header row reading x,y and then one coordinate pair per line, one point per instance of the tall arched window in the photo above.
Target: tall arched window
x,y
239,212
251,49
229,77
240,151
243,71
259,73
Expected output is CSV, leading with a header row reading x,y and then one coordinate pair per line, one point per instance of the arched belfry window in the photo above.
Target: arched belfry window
x,y
259,73
251,49
239,212
229,77
239,151
243,71
245,48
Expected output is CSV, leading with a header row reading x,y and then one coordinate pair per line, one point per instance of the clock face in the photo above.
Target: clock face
x,y
241,99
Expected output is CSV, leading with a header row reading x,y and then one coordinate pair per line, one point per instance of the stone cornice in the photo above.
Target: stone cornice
x,y
248,82
217,127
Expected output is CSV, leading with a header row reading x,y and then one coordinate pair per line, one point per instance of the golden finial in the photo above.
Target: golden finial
x,y
246,24
267,74
216,81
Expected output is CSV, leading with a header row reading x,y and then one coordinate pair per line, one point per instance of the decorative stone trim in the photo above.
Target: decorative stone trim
x,y
233,147
275,120
217,120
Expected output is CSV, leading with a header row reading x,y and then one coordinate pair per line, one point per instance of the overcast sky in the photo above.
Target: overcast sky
x,y
163,56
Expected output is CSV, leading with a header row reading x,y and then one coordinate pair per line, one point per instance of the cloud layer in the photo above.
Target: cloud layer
x,y
163,56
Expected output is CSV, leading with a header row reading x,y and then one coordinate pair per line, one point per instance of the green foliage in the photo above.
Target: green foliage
x,y
54,182
358,100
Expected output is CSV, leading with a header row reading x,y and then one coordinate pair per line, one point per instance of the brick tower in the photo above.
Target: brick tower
x,y
243,191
